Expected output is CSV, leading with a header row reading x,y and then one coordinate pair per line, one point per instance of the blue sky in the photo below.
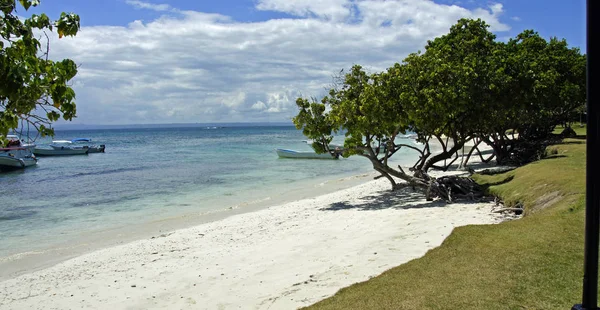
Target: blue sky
x,y
168,61
560,18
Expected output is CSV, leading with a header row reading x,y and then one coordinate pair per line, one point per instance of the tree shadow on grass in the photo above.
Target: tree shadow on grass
x,y
401,199
570,142
553,157
487,185
496,170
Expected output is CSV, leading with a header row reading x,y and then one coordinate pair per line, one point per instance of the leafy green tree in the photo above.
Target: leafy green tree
x,y
366,109
449,89
541,84
562,79
33,88
465,86
431,94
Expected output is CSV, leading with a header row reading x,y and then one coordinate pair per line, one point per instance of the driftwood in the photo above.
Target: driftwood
x,y
517,209
453,188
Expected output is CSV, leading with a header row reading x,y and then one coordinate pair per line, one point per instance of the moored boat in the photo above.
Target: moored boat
x,y
39,151
78,143
93,148
16,157
284,153
14,141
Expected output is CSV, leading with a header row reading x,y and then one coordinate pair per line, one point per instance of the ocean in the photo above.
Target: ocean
x,y
148,174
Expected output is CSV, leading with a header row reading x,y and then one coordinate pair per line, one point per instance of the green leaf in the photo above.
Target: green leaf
x,y
67,24
25,3
29,81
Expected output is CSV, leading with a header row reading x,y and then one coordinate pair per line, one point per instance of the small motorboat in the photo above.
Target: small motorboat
x,y
60,151
12,158
283,153
17,154
13,140
93,148
77,146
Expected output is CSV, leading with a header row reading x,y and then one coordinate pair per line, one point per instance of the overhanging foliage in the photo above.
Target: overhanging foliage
x,y
465,87
33,88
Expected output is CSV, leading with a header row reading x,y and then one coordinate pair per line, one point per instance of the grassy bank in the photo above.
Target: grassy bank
x,y
532,263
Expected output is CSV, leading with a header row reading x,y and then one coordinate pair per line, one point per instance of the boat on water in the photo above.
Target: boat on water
x,y
12,158
13,140
17,154
76,146
284,153
79,143
40,151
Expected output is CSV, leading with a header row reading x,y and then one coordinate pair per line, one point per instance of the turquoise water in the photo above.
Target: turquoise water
x,y
153,173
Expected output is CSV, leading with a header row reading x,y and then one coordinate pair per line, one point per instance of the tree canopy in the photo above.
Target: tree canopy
x,y
33,88
465,86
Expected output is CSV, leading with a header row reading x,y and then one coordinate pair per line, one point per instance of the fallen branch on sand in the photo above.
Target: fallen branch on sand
x,y
453,188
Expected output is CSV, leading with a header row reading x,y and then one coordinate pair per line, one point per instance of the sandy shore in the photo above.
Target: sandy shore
x,y
283,257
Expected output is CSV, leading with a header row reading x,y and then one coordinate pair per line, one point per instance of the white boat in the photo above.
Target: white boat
x,y
93,148
16,157
78,143
60,151
13,140
283,153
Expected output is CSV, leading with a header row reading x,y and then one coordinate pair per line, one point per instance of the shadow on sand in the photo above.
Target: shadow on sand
x,y
401,199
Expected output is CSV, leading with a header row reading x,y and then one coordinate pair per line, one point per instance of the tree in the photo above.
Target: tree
x,y
451,88
541,85
464,87
441,95
33,88
366,108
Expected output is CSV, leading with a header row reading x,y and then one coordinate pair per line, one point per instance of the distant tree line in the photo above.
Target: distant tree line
x,y
466,86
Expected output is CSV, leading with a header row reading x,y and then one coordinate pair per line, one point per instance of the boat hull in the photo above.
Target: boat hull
x,y
90,148
11,159
96,148
59,152
283,153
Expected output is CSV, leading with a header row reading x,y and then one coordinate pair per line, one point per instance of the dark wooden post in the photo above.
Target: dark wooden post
x,y
592,198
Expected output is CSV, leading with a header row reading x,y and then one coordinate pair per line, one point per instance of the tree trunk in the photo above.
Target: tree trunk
x,y
442,156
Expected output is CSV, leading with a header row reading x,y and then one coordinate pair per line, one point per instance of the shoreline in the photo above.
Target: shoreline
x,y
21,263
284,256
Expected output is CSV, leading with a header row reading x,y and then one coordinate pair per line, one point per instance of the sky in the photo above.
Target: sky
x,y
190,61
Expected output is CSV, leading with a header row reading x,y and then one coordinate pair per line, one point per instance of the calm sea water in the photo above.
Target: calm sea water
x,y
148,174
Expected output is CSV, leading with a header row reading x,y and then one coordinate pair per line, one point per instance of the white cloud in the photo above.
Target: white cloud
x,y
259,105
149,6
200,67
496,8
336,10
516,18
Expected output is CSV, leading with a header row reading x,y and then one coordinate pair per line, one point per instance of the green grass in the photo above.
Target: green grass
x,y
532,263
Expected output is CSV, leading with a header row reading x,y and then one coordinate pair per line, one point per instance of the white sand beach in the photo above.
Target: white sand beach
x,y
282,257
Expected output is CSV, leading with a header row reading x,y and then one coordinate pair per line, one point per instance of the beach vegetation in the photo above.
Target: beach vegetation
x,y
34,89
465,88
